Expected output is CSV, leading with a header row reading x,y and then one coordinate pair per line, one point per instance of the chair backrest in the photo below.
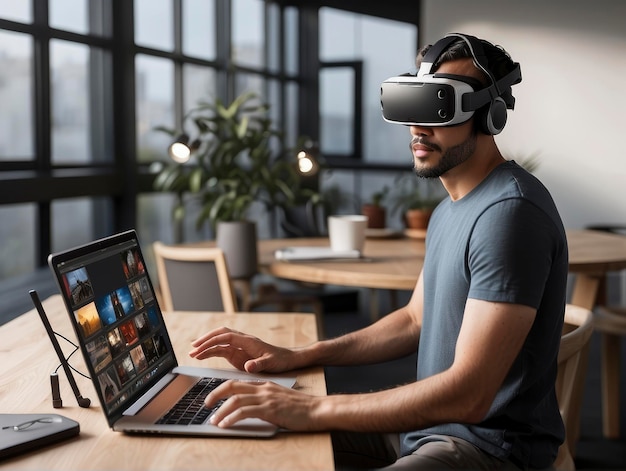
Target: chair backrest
x,y
572,368
194,279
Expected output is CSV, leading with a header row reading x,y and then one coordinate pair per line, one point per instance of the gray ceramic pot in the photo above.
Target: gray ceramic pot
x,y
238,240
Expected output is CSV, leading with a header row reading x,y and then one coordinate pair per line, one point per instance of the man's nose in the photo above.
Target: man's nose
x,y
420,130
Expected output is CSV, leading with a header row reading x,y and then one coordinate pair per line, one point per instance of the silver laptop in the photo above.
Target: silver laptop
x,y
119,325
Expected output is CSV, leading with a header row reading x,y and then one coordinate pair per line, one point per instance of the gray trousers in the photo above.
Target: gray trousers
x,y
436,452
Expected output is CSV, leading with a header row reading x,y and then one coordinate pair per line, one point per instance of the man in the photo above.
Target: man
x,y
485,315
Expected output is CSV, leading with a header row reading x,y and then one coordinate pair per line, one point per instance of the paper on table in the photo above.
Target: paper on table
x,y
314,253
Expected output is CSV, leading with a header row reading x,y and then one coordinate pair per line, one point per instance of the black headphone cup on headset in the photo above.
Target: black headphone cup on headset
x,y
491,118
438,99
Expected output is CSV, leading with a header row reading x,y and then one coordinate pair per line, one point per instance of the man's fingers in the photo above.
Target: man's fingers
x,y
229,338
241,399
210,334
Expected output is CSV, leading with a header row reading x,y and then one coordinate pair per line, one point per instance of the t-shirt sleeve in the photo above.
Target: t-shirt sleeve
x,y
510,253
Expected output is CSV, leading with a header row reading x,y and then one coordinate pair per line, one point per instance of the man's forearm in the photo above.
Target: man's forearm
x,y
393,336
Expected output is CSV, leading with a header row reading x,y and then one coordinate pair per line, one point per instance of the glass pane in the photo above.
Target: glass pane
x,y
248,42
154,24
154,107
70,15
16,11
386,48
274,101
339,33
250,83
198,84
199,28
391,50
273,38
154,216
69,64
154,220
291,118
16,91
17,233
291,40
336,110
77,221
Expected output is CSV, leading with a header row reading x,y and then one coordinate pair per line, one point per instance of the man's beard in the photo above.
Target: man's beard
x,y
451,158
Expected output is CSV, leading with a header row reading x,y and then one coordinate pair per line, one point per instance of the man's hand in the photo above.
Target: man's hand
x,y
284,407
244,352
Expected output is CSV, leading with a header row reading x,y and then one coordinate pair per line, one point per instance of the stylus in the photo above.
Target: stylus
x,y
82,401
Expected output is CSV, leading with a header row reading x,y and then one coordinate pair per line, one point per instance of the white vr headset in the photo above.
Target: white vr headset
x,y
436,99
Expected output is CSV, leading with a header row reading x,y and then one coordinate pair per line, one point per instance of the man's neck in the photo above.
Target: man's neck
x,y
463,178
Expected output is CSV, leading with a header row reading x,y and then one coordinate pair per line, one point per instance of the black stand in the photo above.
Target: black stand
x,y
54,380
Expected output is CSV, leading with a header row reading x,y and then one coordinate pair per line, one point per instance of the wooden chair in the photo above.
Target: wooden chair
x,y
194,279
572,367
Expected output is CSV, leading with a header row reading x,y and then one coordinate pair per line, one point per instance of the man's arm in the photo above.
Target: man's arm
x,y
491,337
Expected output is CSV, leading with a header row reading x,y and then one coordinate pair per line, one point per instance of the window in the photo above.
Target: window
x,y
56,138
201,62
80,107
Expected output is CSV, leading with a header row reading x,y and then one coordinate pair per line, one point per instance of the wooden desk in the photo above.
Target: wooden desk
x,y
27,358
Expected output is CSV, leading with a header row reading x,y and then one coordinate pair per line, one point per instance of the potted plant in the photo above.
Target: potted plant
x,y
415,205
233,165
374,210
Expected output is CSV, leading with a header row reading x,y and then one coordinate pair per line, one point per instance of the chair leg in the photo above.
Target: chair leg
x,y
610,385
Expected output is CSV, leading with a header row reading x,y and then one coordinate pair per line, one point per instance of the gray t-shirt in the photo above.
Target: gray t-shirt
x,y
503,242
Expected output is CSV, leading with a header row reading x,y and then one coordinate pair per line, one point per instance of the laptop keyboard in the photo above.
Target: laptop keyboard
x,y
190,409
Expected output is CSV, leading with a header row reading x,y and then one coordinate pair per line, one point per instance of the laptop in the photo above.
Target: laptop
x,y
120,330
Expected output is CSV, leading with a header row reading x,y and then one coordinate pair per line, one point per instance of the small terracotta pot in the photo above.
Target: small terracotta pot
x,y
417,218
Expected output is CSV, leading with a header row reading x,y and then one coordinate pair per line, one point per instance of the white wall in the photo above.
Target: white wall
x,y
571,103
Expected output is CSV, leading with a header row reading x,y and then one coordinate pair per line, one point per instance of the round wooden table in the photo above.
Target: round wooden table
x,y
395,263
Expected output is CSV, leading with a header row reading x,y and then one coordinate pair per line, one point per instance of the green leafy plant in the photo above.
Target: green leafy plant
x,y
235,164
378,197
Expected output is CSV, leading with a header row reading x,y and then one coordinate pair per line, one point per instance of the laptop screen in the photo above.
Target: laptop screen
x,y
116,318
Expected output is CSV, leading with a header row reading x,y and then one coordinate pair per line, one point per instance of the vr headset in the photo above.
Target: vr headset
x,y
436,99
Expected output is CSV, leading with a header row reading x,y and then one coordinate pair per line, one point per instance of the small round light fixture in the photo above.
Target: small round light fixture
x,y
180,150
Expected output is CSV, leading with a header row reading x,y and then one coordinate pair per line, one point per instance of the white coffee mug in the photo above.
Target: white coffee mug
x,y
347,232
